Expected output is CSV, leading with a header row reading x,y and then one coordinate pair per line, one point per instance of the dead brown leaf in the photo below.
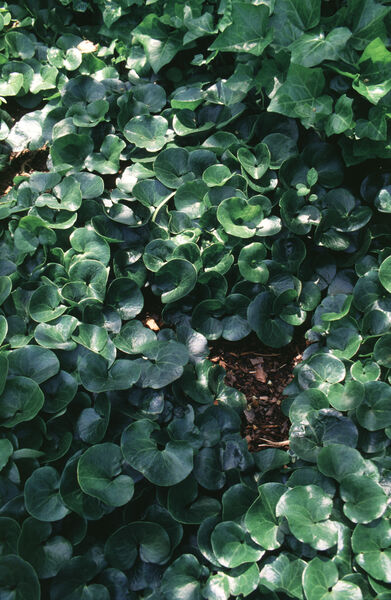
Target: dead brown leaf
x,y
260,374
151,324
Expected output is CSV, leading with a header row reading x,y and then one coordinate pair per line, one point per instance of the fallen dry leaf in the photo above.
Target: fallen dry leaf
x,y
151,324
260,374
86,47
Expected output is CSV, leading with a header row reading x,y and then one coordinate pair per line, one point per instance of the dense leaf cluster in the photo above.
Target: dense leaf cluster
x,y
226,161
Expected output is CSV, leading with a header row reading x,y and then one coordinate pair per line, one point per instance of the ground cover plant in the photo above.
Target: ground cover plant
x,y
225,164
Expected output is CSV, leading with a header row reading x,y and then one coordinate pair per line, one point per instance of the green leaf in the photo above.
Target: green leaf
x,y
374,82
43,501
125,296
342,118
73,581
364,371
47,553
321,370
255,164
371,545
374,412
261,521
134,338
364,499
99,473
174,280
6,450
20,401
96,375
321,581
268,326
19,576
72,496
165,364
313,48
146,131
35,362
239,217
160,43
233,546
251,263
346,397
248,31
339,461
307,509
148,540
92,423
45,304
188,506
19,45
58,335
172,167
70,151
385,273
292,17
5,288
283,573
9,534
163,467
216,175
107,160
182,579
301,96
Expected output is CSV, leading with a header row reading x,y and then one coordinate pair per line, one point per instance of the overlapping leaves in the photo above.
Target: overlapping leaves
x,y
200,165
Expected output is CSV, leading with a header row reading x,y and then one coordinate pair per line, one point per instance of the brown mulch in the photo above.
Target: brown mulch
x,y
261,373
22,163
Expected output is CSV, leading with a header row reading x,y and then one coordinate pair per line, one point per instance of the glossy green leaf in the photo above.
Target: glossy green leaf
x,y
148,540
283,573
232,546
248,31
43,501
99,472
19,576
371,545
307,509
321,580
166,466
261,520
20,401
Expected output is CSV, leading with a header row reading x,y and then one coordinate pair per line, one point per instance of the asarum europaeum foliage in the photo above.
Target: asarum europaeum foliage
x,y
226,161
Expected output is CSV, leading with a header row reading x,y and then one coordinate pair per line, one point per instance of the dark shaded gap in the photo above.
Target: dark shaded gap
x,y
22,163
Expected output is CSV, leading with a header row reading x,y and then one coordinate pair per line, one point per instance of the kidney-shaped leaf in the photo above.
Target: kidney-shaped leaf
x,y
163,467
21,400
365,500
96,376
372,547
18,580
35,362
283,573
307,510
43,550
41,495
174,280
321,582
148,540
99,473
233,546
261,520
147,131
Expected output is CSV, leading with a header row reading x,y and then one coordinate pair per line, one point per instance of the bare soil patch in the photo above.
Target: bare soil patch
x,y
262,374
22,163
